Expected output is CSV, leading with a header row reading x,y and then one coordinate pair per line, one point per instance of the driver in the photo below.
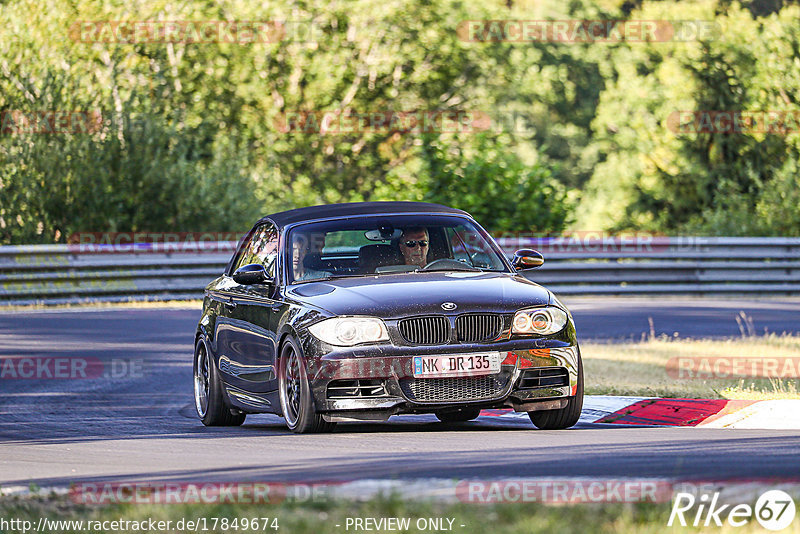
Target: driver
x,y
414,246
302,245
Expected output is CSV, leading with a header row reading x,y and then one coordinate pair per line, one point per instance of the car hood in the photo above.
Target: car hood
x,y
397,295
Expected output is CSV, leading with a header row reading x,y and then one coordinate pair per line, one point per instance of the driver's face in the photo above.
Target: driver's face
x,y
416,254
299,251
302,246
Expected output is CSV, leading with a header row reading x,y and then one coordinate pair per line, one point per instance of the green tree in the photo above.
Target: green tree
x,y
496,187
654,176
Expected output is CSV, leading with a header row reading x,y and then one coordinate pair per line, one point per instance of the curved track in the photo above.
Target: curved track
x,y
138,422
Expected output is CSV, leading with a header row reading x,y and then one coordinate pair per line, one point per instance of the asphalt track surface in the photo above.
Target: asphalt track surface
x,y
141,425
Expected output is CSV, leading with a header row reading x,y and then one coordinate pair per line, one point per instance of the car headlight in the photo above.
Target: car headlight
x,y
349,331
542,321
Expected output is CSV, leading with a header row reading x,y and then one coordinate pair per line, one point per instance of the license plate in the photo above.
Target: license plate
x,y
481,363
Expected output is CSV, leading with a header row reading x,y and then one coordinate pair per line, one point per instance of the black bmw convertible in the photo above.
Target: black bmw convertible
x,y
357,312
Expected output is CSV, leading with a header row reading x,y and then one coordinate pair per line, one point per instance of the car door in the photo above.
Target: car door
x,y
247,333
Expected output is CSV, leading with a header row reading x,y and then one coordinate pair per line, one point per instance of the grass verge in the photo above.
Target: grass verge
x,y
691,368
331,517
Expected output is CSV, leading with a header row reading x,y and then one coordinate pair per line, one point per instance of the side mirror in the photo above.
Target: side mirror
x,y
527,259
252,273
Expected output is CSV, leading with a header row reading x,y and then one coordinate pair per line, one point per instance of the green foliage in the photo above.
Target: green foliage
x,y
699,182
141,174
496,187
150,163
191,138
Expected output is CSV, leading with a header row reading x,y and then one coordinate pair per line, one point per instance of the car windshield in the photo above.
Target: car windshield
x,y
386,244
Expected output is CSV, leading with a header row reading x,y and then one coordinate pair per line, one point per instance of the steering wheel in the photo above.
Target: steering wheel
x,y
445,262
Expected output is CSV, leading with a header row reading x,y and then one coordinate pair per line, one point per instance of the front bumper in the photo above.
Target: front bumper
x,y
384,385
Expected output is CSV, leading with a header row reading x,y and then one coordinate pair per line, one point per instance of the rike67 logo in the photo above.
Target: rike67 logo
x,y
774,510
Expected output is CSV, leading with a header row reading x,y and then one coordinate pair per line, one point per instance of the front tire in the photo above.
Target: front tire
x,y
564,417
209,400
297,403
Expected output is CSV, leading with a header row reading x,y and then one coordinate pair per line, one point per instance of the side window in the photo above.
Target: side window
x,y
262,248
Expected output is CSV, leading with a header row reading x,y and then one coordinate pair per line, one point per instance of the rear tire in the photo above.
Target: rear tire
x,y
209,400
297,404
563,417
459,416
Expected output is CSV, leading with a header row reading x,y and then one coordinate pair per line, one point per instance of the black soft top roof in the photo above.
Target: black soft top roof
x,y
312,213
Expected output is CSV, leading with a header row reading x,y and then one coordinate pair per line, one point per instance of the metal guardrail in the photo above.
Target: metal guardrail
x,y
55,274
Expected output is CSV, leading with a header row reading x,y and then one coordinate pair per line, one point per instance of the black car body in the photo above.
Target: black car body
x,y
344,329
